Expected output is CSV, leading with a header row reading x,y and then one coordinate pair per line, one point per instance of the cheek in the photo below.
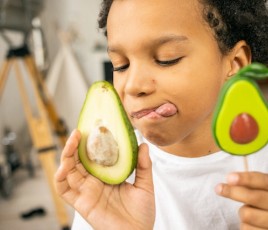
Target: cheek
x,y
197,97
119,87
204,99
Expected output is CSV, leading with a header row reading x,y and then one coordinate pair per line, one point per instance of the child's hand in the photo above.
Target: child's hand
x,y
123,206
250,188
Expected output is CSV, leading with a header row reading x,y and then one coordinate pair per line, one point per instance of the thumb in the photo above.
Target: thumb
x,y
144,177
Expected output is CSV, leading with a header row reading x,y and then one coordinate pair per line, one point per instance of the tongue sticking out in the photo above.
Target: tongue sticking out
x,y
166,110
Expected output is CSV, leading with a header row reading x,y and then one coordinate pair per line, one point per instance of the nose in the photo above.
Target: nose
x,y
140,81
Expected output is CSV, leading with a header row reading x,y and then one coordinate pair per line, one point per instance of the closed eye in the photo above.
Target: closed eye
x,y
120,68
168,62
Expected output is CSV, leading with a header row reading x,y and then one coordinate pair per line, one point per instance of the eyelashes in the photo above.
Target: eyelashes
x,y
120,68
168,62
164,63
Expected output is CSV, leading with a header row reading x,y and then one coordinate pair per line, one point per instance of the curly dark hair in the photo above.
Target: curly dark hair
x,y
231,21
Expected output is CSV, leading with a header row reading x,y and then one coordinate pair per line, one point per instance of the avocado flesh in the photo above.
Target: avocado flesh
x,y
103,108
240,95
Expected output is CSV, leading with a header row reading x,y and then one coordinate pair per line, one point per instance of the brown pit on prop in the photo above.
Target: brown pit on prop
x,y
244,129
102,148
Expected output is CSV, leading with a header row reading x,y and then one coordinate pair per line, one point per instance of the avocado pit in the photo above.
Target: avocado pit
x,y
244,129
102,148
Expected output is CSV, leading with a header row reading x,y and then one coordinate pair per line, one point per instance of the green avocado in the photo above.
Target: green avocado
x,y
108,148
240,121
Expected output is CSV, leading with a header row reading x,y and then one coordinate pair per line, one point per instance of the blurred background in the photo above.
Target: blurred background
x,y
50,53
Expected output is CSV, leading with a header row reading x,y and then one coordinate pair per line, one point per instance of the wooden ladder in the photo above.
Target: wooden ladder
x,y
41,121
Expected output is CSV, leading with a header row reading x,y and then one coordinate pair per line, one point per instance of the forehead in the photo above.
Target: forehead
x,y
129,14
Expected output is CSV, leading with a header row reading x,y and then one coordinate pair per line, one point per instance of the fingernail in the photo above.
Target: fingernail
x,y
232,178
73,133
218,189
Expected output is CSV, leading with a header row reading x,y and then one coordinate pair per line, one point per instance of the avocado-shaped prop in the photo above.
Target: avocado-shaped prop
x,y
240,122
108,147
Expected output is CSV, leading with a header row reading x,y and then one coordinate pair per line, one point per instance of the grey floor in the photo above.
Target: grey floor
x,y
29,193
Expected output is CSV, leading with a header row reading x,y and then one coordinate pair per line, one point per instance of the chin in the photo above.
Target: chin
x,y
158,139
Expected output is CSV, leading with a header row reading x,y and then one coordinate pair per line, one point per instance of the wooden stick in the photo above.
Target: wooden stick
x,y
246,167
4,74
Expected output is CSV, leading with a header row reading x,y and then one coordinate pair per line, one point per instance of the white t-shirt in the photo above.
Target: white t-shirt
x,y
184,190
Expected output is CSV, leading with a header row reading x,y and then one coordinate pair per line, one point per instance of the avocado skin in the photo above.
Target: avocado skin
x,y
248,75
133,144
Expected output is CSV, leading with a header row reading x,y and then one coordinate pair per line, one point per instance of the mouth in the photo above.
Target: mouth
x,y
164,110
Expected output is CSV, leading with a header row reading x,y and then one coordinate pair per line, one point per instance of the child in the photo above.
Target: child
x,y
170,60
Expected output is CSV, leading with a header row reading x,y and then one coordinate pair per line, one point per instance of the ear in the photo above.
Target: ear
x,y
239,57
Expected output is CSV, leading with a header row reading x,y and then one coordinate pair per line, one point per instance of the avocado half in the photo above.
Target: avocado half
x,y
240,121
108,148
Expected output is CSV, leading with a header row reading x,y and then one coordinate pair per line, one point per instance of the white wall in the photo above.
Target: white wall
x,y
81,16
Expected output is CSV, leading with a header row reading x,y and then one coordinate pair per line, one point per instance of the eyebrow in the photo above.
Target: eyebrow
x,y
159,41
169,38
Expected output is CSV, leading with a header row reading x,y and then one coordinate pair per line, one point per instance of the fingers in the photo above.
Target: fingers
x,y
253,217
71,144
68,161
144,179
254,180
244,226
256,198
64,174
250,188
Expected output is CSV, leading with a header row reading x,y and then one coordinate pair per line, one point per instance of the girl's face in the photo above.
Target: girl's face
x,y
168,71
